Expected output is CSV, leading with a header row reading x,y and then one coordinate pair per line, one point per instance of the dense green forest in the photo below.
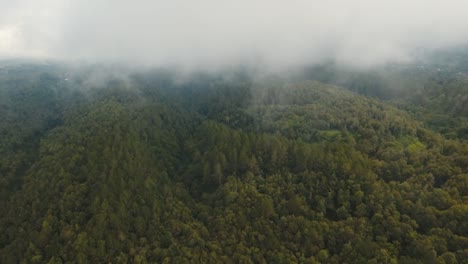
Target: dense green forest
x,y
324,166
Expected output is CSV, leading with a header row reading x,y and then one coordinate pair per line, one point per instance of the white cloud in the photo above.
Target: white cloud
x,y
212,33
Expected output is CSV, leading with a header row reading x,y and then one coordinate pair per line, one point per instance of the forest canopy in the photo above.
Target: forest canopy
x,y
326,166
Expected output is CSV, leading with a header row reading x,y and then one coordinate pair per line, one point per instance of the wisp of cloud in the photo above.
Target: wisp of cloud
x,y
210,34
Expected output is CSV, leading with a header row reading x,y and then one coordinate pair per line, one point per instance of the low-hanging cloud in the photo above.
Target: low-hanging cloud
x,y
216,33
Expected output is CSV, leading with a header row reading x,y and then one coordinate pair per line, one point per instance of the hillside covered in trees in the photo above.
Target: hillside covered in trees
x,y
156,168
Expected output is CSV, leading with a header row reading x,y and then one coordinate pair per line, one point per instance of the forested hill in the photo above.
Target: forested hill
x,y
151,169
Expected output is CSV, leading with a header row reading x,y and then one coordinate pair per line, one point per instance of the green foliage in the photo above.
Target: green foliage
x,y
215,170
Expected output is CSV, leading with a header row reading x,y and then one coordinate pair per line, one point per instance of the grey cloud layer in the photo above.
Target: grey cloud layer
x,y
213,33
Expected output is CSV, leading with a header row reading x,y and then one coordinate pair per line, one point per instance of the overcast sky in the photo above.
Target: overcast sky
x,y
213,33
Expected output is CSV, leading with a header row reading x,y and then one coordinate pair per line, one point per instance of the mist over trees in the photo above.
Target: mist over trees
x,y
210,131
326,165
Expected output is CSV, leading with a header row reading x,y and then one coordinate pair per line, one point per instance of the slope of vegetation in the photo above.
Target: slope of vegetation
x,y
223,171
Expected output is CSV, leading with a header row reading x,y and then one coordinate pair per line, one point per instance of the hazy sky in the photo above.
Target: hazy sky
x,y
213,33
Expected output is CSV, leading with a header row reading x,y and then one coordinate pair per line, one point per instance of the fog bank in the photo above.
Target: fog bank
x,y
209,34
